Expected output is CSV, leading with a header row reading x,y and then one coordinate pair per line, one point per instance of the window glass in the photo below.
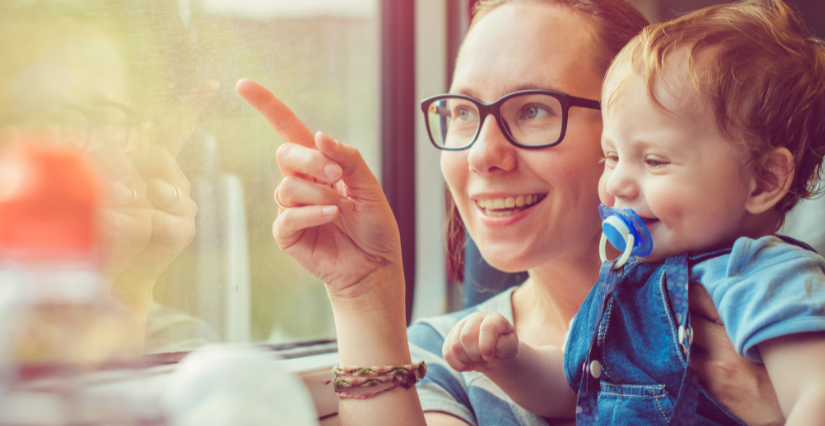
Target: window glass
x,y
147,91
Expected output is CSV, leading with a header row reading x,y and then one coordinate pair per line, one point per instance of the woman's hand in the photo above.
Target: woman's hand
x,y
338,223
741,386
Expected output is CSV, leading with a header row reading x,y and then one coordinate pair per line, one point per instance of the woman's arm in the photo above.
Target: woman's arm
x,y
795,364
441,419
339,226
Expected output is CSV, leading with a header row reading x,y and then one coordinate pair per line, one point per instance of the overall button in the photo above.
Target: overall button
x,y
595,369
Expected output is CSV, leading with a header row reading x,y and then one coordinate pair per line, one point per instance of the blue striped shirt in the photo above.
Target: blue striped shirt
x,y
470,396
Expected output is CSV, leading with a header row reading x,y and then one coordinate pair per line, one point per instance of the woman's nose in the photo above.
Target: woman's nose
x,y
491,152
621,184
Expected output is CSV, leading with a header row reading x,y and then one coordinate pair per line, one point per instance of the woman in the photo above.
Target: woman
x,y
336,222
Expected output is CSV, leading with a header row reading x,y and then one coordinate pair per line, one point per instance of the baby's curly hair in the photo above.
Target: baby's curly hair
x,y
758,67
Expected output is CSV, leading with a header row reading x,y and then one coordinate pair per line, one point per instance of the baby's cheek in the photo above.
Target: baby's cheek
x,y
667,207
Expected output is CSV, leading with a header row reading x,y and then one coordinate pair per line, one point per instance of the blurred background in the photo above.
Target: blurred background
x,y
145,90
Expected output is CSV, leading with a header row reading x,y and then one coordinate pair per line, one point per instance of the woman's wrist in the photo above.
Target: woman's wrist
x,y
370,322
377,291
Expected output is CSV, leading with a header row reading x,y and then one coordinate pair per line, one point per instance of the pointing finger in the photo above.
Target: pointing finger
x,y
282,119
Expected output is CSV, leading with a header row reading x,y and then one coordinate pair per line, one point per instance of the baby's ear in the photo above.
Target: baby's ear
x,y
770,181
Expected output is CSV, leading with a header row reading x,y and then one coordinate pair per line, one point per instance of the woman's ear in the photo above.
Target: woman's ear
x,y
770,181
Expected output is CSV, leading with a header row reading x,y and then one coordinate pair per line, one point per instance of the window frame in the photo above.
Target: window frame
x,y
398,114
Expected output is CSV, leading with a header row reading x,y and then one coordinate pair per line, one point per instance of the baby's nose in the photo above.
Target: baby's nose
x,y
622,183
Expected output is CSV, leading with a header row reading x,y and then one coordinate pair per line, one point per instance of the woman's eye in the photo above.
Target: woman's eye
x,y
464,114
534,111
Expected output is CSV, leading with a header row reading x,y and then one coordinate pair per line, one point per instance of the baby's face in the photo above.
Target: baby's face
x,y
674,169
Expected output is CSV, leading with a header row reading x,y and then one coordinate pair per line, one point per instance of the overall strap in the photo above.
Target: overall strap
x,y
676,276
587,408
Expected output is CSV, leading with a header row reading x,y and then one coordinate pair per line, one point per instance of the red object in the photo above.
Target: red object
x,y
49,203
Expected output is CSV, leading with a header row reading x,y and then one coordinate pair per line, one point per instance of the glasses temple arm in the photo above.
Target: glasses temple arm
x,y
585,103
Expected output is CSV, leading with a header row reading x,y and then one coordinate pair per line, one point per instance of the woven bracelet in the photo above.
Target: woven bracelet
x,y
405,376
418,368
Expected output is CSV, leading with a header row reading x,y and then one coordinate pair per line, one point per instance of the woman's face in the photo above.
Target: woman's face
x,y
518,47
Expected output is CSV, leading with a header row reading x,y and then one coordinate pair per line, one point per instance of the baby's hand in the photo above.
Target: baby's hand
x,y
480,342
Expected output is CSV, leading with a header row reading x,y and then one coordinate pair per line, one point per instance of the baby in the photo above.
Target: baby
x,y
714,128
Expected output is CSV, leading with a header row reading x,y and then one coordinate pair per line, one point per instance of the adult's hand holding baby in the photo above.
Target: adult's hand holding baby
x,y
741,386
337,223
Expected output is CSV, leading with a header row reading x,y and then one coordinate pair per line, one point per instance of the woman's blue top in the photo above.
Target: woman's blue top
x,y
470,396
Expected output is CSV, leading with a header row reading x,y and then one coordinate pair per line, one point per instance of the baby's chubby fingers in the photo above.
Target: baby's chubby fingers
x,y
497,338
453,350
297,192
469,336
296,160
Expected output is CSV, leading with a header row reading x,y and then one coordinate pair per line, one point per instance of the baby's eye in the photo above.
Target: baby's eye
x,y
654,163
610,159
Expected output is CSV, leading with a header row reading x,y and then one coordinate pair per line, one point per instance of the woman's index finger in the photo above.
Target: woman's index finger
x,y
280,117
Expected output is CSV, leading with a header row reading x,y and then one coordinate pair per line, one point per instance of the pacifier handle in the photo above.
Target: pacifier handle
x,y
629,241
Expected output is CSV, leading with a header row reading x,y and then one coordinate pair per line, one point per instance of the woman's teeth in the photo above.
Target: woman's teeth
x,y
500,207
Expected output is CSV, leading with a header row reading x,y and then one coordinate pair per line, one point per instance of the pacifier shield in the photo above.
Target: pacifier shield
x,y
616,232
617,224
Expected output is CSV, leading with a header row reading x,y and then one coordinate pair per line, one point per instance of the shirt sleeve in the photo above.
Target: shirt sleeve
x,y
442,389
769,289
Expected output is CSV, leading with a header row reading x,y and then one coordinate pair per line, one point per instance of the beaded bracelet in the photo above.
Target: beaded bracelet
x,y
348,377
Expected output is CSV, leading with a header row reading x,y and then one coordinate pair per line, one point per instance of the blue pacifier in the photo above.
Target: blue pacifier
x,y
626,232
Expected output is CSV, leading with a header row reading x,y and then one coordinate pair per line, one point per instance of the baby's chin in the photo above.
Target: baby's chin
x,y
660,254
653,258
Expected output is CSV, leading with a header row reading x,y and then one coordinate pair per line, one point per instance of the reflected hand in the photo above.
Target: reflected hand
x,y
172,224
173,217
338,224
741,386
127,214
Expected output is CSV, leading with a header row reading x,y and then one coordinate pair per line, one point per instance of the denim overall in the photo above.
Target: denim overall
x,y
629,350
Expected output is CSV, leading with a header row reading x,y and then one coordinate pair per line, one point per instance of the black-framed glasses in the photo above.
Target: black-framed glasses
x,y
528,118
105,124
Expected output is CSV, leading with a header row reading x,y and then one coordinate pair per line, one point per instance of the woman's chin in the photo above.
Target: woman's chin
x,y
511,260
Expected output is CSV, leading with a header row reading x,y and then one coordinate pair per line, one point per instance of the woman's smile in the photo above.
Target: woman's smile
x,y
506,206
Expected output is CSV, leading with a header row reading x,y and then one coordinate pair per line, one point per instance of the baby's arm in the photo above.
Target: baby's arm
x,y
532,376
796,366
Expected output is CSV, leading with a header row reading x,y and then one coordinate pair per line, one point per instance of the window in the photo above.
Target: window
x,y
146,89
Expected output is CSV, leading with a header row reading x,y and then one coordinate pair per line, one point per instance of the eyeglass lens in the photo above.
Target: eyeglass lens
x,y
88,129
531,119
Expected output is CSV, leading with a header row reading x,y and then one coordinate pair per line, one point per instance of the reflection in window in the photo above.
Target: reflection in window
x,y
146,90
